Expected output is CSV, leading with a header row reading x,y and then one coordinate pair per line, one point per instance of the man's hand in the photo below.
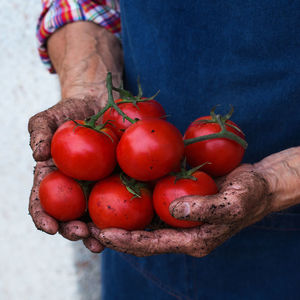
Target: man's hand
x,y
246,195
243,199
41,128
82,53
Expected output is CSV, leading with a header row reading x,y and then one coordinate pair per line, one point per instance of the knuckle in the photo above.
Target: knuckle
x,y
39,223
37,216
196,208
31,124
35,119
239,212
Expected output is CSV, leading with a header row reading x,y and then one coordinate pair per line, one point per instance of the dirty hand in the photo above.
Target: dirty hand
x,y
81,53
245,196
243,199
41,128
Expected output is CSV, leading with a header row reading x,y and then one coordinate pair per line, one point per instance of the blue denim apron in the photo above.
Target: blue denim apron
x,y
199,54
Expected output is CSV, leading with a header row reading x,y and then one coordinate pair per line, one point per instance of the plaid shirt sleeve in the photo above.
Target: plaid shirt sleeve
x,y
57,13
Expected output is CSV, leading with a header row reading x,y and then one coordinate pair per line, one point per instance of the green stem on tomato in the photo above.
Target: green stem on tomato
x,y
132,186
193,170
91,122
187,174
223,133
131,101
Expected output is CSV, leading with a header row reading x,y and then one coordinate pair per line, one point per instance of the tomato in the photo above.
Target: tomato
x,y
223,154
150,149
112,205
62,197
142,110
167,190
84,153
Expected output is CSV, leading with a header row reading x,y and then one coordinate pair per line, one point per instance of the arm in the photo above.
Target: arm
x,y
247,194
282,172
81,53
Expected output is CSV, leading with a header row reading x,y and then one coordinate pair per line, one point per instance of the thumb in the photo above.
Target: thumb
x,y
208,209
42,126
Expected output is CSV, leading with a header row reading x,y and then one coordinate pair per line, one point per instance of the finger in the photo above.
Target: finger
x,y
138,243
93,242
74,230
208,209
198,241
93,245
42,126
239,197
41,220
219,209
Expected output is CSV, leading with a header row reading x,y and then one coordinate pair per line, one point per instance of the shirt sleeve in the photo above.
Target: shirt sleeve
x,y
57,13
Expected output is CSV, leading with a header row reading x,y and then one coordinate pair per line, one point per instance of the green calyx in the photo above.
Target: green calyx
x,y
223,133
128,97
110,104
97,128
90,122
134,187
187,174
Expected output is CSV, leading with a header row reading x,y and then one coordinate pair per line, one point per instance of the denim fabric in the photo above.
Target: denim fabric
x,y
203,53
199,54
255,264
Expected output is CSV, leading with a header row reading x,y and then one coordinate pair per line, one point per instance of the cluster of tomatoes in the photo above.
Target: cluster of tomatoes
x,y
133,161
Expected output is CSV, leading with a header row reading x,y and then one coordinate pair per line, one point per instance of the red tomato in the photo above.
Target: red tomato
x,y
84,153
142,110
112,205
62,197
150,149
223,154
167,190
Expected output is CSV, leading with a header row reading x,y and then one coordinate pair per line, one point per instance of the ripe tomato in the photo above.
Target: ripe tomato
x,y
84,153
150,149
112,205
142,110
167,190
62,197
223,154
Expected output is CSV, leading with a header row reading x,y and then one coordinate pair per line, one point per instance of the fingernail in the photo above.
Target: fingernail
x,y
181,210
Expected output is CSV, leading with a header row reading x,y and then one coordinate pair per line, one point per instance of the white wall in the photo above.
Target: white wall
x,y
33,265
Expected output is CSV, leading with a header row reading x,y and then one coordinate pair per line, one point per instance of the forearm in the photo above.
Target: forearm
x,y
82,53
282,173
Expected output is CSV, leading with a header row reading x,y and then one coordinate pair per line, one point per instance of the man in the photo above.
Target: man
x,y
199,54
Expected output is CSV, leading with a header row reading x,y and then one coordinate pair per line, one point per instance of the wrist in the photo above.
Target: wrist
x,y
282,174
88,90
82,53
82,90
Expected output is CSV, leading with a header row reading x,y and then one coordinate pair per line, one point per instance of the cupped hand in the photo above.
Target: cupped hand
x,y
41,128
243,199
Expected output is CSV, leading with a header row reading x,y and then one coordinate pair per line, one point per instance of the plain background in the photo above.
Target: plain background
x,y
33,265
